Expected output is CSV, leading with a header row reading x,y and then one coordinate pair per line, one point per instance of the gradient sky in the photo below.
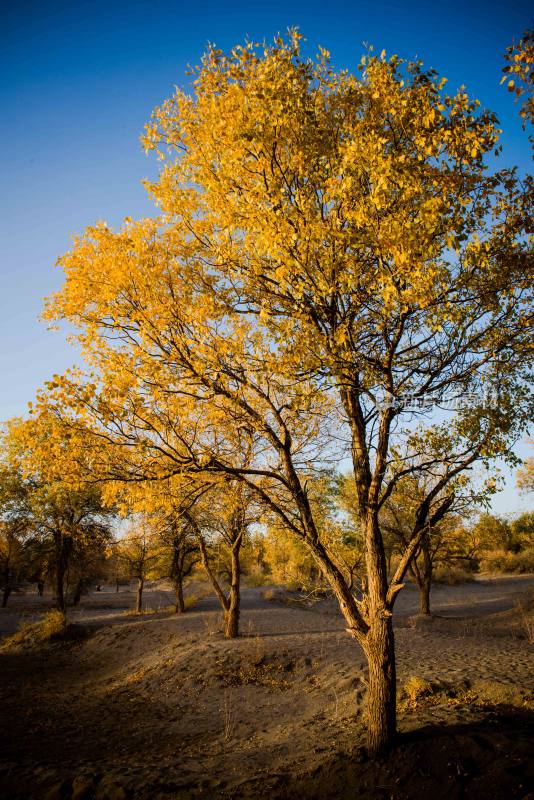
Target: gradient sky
x,y
79,80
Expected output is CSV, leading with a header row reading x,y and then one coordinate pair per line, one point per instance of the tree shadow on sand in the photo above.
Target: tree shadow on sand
x,y
491,757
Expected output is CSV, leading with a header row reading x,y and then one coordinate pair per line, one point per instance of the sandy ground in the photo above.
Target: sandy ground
x,y
162,706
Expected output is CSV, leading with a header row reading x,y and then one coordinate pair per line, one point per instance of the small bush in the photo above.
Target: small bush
x,y
452,575
191,600
53,625
504,561
32,634
415,688
256,579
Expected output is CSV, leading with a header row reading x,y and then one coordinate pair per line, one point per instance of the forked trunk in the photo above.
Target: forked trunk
x,y
230,604
421,569
139,596
381,714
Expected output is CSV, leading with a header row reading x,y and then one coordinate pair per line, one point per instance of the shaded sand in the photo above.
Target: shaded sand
x,y
161,706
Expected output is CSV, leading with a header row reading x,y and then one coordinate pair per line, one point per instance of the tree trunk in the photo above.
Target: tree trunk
x,y
62,553
7,584
231,630
139,597
60,593
424,596
379,646
424,575
77,593
179,591
5,595
381,701
60,576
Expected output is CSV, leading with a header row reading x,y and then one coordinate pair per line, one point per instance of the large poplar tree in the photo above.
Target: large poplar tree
x,y
333,262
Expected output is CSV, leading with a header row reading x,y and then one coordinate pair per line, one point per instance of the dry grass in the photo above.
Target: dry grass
x,y
526,621
481,693
32,634
191,600
229,719
214,625
494,693
293,597
147,612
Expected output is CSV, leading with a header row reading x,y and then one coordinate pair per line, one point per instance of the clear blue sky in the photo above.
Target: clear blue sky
x,y
79,80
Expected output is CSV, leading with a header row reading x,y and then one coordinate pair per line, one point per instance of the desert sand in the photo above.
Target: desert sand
x,y
162,706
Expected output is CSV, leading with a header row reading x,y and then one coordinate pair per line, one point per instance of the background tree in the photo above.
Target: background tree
x,y
494,533
439,543
332,251
67,516
176,534
139,551
221,519
14,529
12,557
522,529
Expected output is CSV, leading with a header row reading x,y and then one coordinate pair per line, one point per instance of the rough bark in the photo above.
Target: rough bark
x,y
381,702
379,645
